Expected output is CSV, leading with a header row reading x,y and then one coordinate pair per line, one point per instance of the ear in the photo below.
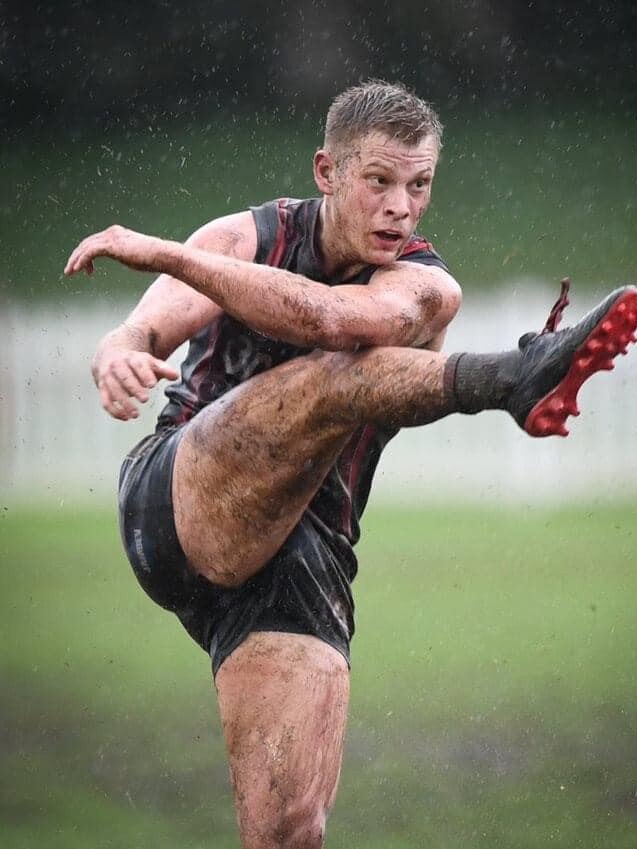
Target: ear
x,y
324,171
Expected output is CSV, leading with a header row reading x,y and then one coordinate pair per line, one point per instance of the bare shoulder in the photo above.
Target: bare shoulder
x,y
231,235
170,312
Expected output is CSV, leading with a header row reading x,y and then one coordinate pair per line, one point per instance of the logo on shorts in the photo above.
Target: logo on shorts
x,y
139,549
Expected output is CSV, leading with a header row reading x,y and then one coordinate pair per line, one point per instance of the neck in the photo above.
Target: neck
x,y
335,259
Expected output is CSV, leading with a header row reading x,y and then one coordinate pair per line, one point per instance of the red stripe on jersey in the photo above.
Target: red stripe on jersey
x,y
278,248
193,387
358,451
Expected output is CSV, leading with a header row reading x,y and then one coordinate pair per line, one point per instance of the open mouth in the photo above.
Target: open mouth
x,y
389,237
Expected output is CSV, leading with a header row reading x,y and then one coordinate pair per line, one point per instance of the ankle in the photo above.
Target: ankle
x,y
479,382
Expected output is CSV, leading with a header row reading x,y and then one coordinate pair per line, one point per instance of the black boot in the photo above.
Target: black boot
x,y
538,384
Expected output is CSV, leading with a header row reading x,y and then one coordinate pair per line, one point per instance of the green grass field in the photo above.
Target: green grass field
x,y
494,689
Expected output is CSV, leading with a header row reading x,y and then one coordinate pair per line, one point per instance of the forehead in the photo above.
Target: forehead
x,y
385,150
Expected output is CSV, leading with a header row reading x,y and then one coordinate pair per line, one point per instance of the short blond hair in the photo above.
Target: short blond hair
x,y
380,106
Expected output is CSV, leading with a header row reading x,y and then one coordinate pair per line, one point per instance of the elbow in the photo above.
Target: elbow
x,y
452,301
445,305
452,304
455,296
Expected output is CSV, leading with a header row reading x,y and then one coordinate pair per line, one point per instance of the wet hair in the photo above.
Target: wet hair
x,y
376,105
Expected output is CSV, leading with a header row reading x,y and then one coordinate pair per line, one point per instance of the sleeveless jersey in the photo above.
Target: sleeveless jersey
x,y
226,353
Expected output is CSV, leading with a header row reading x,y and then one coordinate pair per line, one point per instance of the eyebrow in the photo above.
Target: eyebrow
x,y
377,163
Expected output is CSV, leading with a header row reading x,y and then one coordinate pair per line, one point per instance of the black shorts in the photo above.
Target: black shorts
x,y
304,589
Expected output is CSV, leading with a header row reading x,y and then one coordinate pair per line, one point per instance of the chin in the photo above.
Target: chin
x,y
382,257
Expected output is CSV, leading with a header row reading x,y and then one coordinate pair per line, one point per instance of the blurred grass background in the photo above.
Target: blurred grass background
x,y
493,688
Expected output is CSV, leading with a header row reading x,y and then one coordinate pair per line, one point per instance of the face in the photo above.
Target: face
x,y
375,195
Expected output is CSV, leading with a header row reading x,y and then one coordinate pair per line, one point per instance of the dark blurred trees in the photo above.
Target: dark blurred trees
x,y
87,61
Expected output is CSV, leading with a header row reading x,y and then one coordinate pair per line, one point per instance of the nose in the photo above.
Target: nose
x,y
397,203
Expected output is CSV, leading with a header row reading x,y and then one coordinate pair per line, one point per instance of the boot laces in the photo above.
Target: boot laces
x,y
555,316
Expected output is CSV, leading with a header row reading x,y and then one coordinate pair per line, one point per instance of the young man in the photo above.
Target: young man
x,y
315,331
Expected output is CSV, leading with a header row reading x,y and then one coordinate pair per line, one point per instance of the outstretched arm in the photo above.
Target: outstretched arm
x,y
404,304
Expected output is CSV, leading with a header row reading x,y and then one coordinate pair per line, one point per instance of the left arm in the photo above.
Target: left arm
x,y
404,303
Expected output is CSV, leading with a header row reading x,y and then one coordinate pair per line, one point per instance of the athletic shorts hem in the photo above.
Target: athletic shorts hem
x,y
219,657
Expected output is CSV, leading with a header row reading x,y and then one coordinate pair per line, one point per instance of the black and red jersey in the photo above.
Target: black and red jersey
x,y
227,352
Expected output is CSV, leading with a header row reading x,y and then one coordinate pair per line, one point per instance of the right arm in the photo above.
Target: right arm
x,y
130,360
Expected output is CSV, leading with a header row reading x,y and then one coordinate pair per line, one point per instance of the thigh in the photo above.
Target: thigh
x,y
283,700
250,463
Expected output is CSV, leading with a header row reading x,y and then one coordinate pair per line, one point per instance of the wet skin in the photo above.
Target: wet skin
x,y
293,421
377,360
375,194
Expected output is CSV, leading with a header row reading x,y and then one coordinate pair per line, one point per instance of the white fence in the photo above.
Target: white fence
x,y
58,444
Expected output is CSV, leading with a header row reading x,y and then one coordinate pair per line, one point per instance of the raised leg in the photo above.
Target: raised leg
x,y
249,464
283,701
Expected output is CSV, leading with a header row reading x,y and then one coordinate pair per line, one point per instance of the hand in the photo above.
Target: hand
x,y
135,250
125,376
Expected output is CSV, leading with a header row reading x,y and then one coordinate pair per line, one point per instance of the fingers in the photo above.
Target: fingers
x,y
162,369
149,370
74,262
127,379
116,399
84,254
144,373
117,404
134,250
99,244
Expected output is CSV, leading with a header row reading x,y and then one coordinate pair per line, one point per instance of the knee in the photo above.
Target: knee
x,y
224,579
300,824
302,827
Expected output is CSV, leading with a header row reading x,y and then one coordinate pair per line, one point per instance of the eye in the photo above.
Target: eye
x,y
422,184
377,180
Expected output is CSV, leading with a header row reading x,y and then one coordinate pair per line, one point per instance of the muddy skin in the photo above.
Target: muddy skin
x,y
283,701
249,464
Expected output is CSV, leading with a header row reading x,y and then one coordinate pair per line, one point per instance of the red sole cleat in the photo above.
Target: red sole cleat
x,y
607,340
